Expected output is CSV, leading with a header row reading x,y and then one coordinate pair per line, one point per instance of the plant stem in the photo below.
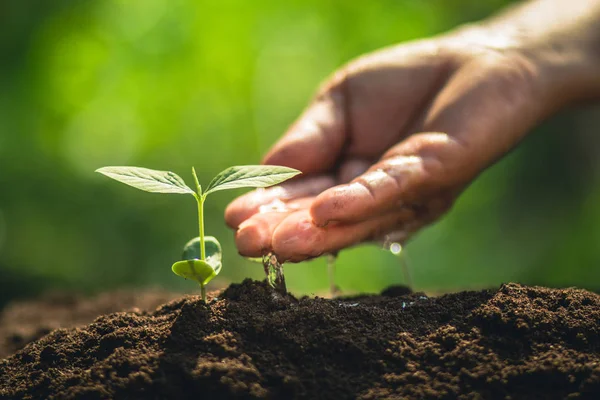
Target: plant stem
x,y
201,225
200,199
203,292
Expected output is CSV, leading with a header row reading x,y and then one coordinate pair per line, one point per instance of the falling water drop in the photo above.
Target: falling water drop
x,y
396,249
334,290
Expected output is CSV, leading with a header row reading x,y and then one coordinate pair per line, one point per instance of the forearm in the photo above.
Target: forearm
x,y
561,38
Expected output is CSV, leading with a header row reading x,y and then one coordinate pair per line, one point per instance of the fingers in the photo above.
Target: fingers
x,y
249,204
278,197
352,168
483,111
387,90
364,108
254,235
314,142
294,237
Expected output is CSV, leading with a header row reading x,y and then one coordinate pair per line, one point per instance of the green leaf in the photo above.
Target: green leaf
x,y
197,270
147,180
211,246
255,176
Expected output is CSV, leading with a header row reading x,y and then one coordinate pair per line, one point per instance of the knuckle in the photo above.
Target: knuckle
x,y
442,156
335,85
428,164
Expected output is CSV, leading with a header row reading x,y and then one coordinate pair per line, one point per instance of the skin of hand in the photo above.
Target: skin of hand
x,y
393,137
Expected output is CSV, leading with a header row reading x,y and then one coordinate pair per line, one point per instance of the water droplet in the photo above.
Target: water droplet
x,y
274,206
396,248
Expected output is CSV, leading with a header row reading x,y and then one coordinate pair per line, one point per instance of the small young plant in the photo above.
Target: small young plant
x,y
202,255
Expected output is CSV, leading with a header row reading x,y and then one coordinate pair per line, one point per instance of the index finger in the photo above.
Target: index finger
x,y
314,142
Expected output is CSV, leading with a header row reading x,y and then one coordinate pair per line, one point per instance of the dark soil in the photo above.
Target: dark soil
x,y
514,343
25,321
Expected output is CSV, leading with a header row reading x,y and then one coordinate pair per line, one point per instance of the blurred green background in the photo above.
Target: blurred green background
x,y
168,84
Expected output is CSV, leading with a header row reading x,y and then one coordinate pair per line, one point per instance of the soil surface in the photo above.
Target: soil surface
x,y
517,342
25,321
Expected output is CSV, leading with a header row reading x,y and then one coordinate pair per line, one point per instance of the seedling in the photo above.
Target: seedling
x,y
202,255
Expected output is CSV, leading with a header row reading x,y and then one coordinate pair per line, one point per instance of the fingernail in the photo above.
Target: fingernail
x,y
250,238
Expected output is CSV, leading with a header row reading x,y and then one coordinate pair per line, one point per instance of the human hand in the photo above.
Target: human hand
x,y
393,137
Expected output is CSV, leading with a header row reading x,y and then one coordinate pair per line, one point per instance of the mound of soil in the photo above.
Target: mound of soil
x,y
25,321
516,342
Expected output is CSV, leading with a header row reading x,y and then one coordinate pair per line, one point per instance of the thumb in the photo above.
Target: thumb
x,y
426,166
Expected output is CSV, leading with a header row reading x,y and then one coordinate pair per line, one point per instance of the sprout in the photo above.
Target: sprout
x,y
202,255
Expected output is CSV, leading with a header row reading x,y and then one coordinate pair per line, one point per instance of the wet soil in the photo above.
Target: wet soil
x,y
517,342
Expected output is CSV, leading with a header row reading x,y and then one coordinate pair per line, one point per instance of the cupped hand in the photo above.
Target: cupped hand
x,y
390,141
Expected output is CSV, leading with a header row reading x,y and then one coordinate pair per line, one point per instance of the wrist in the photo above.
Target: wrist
x,y
569,66
561,39
565,63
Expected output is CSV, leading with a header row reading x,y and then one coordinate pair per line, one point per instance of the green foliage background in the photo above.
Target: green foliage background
x,y
168,84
